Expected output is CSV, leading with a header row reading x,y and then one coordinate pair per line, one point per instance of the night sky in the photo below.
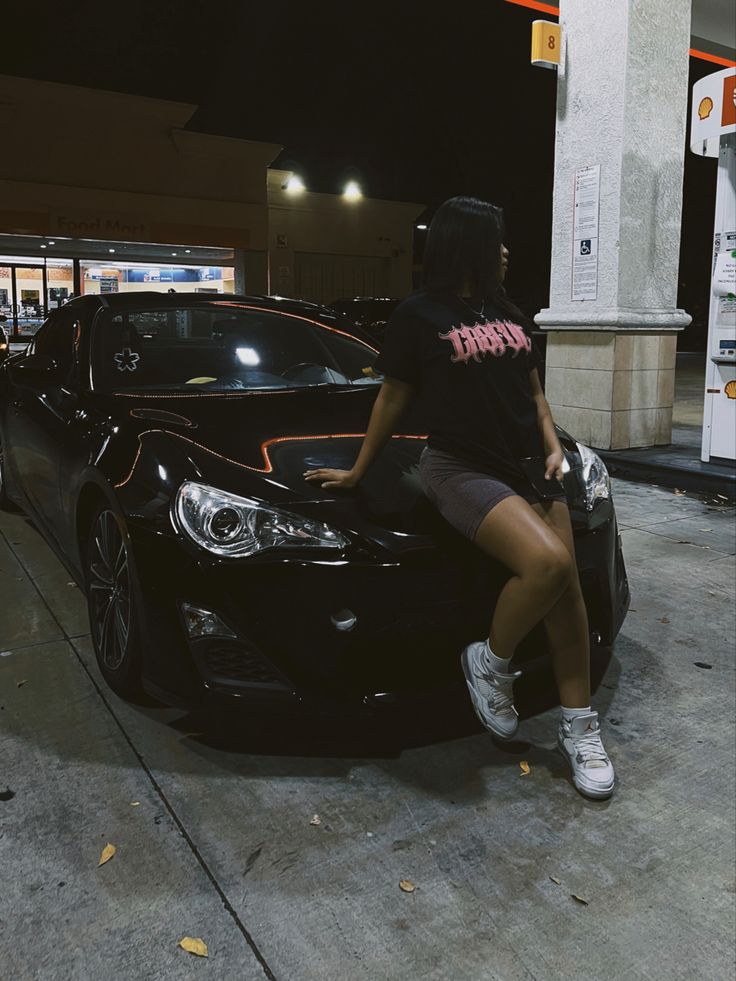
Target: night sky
x,y
417,103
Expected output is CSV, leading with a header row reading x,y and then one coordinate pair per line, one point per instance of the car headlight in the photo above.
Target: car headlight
x,y
234,526
596,482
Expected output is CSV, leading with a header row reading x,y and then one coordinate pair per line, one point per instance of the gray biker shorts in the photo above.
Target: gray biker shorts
x,y
461,495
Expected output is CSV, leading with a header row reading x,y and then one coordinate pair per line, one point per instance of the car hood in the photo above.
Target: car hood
x,y
260,444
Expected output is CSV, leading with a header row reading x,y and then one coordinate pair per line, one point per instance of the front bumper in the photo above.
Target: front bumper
x,y
412,618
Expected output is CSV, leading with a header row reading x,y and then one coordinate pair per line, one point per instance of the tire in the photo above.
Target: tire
x,y
113,605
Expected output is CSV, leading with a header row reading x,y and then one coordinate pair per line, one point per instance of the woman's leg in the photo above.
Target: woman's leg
x,y
566,623
541,566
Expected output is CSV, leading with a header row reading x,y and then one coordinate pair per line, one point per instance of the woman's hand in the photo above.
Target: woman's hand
x,y
553,465
332,479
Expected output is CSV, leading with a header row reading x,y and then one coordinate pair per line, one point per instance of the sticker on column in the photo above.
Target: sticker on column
x,y
127,360
585,233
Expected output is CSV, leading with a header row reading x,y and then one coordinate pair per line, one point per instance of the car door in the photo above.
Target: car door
x,y
41,404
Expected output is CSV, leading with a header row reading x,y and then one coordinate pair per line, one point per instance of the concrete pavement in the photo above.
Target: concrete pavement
x,y
220,845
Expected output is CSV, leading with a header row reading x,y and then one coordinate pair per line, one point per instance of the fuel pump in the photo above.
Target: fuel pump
x,y
713,134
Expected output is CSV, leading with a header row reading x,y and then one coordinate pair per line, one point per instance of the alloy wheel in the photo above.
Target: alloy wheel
x,y
109,591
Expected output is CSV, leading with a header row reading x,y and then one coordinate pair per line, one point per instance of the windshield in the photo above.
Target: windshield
x,y
224,347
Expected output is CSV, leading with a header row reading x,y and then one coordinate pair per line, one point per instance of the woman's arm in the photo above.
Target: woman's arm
x,y
553,452
391,403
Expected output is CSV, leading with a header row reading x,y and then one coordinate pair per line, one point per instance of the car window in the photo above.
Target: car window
x,y
220,347
57,339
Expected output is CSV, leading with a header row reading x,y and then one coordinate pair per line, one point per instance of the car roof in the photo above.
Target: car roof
x,y
274,304
123,301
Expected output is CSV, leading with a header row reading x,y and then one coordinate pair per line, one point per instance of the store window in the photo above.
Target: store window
x,y
124,277
30,288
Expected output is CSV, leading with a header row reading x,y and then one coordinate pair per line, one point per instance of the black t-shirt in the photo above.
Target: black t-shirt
x,y
472,375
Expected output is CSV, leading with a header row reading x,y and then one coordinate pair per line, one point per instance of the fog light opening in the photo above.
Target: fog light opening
x,y
199,622
344,620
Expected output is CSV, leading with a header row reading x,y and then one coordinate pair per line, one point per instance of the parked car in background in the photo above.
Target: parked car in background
x,y
159,443
4,340
369,312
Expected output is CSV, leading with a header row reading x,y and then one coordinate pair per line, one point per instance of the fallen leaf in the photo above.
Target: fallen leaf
x,y
705,529
135,803
663,619
702,664
525,768
722,497
406,885
579,899
679,492
192,735
19,684
316,820
107,853
71,584
555,880
194,946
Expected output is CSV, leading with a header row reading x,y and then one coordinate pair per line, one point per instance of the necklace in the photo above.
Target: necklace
x,y
476,313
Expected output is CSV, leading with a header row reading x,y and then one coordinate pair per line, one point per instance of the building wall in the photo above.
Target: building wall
x,y
122,168
350,240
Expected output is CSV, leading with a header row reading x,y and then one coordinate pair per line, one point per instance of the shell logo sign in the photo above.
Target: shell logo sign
x,y
713,111
730,389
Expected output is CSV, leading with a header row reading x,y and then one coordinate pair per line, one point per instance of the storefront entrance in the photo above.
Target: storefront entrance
x,y
28,291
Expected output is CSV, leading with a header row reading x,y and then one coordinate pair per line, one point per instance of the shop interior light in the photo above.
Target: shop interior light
x,y
175,253
421,228
52,243
187,251
111,250
294,185
352,191
43,246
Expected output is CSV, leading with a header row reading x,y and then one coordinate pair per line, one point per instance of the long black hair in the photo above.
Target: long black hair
x,y
464,247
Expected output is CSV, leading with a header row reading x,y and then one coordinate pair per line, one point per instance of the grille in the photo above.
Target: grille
x,y
236,662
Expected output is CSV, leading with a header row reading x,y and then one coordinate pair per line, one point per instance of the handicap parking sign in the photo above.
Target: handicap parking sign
x,y
585,246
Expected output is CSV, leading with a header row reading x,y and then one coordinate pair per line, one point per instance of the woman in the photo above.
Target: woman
x,y
464,348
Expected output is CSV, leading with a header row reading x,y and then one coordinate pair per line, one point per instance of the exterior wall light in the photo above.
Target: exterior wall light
x,y
352,191
294,185
421,228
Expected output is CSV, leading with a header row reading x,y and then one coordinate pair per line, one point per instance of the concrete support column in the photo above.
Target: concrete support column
x,y
622,105
239,266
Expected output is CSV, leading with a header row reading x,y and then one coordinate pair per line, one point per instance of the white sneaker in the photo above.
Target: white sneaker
x,y
580,743
490,691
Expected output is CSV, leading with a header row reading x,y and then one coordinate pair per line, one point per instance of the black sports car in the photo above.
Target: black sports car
x,y
370,313
159,443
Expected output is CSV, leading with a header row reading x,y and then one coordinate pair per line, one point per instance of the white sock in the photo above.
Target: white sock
x,y
572,713
500,664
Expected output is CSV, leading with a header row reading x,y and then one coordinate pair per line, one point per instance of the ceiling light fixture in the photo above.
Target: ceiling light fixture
x,y
352,191
294,185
